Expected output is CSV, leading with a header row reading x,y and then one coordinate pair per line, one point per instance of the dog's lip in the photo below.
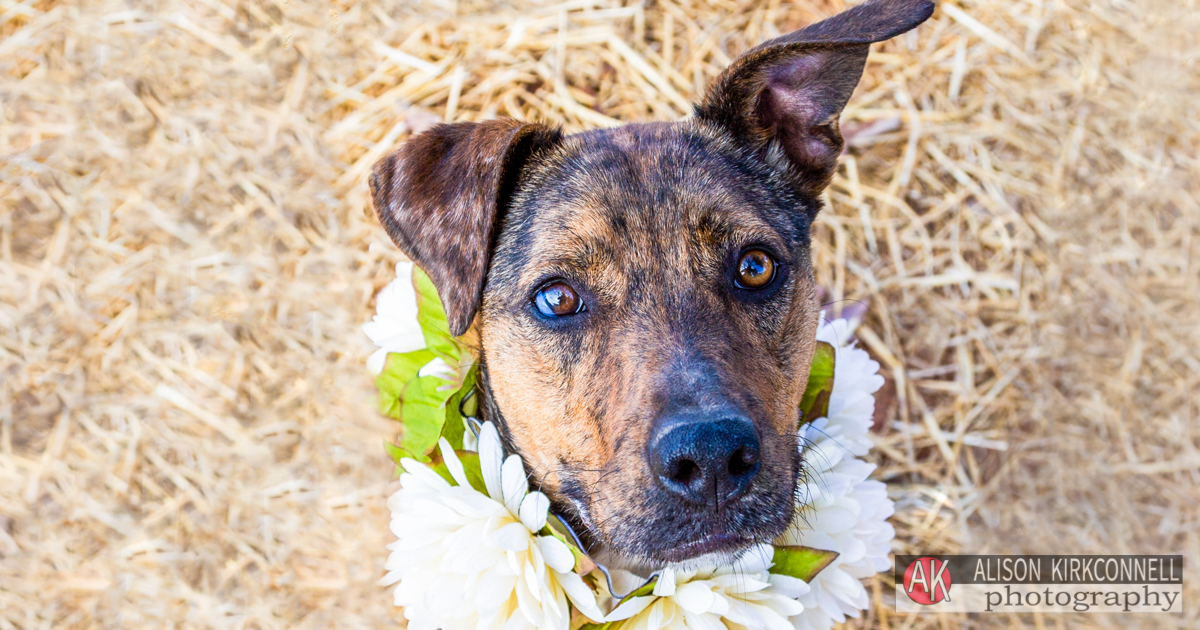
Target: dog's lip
x,y
713,543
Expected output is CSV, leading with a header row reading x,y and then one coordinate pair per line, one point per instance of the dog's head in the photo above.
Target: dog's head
x,y
645,294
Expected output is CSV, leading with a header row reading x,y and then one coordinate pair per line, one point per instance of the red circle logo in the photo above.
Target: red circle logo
x,y
927,581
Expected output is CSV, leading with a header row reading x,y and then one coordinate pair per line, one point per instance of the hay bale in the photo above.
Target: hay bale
x,y
186,252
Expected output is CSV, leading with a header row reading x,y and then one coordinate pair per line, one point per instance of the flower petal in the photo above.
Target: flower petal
x,y
789,586
395,327
695,597
756,559
376,361
704,621
581,595
493,589
534,510
532,581
556,553
491,457
665,586
629,608
423,474
515,483
512,537
625,581
659,615
450,458
439,368
528,605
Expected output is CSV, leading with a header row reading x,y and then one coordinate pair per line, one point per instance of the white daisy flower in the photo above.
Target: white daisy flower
x,y
846,513
843,510
852,402
731,597
395,327
471,560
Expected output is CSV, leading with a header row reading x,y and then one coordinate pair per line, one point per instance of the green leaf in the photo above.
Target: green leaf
x,y
801,562
612,625
815,402
395,452
423,414
432,317
470,463
426,407
454,428
397,372
642,591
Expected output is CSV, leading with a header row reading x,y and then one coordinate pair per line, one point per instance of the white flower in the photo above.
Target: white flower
x,y
395,327
847,513
469,560
852,402
731,597
842,509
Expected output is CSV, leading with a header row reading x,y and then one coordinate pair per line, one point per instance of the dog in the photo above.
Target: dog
x,y
644,295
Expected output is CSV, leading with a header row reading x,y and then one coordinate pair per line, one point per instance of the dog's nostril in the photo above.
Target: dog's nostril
x,y
744,461
686,472
705,460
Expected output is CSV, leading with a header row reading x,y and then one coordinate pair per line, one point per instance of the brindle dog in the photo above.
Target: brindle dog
x,y
645,295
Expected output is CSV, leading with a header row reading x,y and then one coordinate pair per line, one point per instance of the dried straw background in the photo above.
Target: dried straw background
x,y
187,435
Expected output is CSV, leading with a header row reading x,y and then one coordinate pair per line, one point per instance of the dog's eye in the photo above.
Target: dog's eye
x,y
558,299
755,270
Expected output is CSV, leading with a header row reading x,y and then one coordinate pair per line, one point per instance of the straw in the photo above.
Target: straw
x,y
187,432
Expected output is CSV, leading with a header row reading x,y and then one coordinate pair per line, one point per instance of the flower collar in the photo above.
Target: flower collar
x,y
477,549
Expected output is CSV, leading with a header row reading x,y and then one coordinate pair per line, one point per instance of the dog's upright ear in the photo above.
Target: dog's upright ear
x,y
787,94
441,195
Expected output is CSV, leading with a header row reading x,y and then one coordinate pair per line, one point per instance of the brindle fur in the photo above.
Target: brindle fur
x,y
649,236
646,222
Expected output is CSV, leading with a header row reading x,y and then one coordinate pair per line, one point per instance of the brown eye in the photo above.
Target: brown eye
x,y
755,270
558,299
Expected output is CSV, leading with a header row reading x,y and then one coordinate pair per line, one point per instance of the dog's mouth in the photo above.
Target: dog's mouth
x,y
648,541
709,550
711,545
644,524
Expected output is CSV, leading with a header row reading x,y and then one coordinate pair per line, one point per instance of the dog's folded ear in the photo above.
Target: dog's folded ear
x,y
787,94
441,195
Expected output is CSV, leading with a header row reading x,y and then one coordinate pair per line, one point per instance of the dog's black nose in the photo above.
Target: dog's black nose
x,y
705,460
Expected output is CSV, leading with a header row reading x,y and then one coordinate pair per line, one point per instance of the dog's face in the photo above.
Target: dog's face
x,y
647,331
646,297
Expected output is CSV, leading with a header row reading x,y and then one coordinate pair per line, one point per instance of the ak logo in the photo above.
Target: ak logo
x,y
927,581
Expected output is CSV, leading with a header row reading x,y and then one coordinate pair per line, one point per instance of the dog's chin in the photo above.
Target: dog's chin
x,y
709,551
711,547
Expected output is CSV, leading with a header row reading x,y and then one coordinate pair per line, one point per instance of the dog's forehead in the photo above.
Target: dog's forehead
x,y
665,192
651,169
